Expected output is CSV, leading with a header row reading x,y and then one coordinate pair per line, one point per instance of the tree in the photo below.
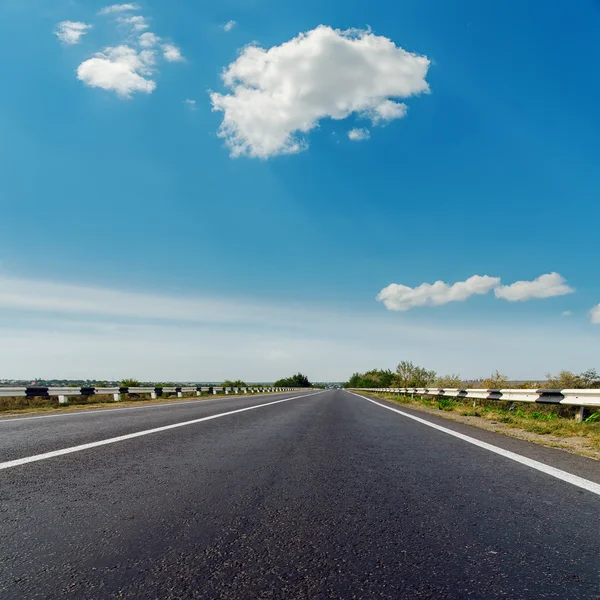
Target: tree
x,y
496,381
567,380
130,383
409,375
238,383
448,382
297,380
591,378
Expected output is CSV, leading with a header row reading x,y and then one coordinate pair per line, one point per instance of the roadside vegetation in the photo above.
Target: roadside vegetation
x,y
553,422
298,380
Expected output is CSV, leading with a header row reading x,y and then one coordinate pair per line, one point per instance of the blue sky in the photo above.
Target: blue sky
x,y
481,160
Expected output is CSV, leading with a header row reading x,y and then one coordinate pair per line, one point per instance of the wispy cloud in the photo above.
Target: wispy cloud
x,y
136,22
71,32
544,286
148,40
595,315
229,25
190,103
129,67
55,329
279,95
119,8
566,313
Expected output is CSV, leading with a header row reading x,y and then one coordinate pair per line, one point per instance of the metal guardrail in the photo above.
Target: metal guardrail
x,y
63,393
580,398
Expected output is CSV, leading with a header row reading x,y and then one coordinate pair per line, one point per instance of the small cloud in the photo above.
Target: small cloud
x,y
137,22
595,315
401,297
172,53
71,32
190,103
148,39
122,70
357,135
566,313
545,286
118,8
229,25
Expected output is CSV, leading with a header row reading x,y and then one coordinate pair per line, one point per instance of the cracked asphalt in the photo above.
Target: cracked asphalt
x,y
324,496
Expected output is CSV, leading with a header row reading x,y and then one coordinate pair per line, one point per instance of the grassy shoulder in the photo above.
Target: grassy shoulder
x,y
21,406
548,425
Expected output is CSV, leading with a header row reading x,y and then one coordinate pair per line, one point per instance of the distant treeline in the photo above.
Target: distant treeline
x,y
408,375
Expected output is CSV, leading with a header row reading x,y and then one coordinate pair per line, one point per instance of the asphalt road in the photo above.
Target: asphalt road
x,y
324,496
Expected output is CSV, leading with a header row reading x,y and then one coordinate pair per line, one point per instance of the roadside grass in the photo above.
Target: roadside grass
x,y
40,404
542,420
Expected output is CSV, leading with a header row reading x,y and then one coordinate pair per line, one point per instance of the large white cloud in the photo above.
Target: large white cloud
x,y
545,286
121,69
71,32
278,94
402,298
595,315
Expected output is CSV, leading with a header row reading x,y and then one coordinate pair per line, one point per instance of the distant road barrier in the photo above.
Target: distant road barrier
x,y
63,393
580,398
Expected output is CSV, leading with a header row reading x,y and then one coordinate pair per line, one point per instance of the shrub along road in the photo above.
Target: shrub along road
x,y
316,495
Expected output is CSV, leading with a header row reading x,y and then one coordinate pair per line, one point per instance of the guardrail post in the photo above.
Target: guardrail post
x,y
579,415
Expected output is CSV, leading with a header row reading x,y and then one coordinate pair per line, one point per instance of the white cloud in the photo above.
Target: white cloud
x,y
71,32
190,103
280,93
122,70
137,22
118,8
566,313
545,286
359,134
595,315
229,25
148,40
172,53
402,298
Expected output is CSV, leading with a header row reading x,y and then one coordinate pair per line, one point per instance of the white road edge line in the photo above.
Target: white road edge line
x,y
590,486
99,411
37,457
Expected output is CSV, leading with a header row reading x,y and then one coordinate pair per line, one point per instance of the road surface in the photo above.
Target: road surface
x,y
304,496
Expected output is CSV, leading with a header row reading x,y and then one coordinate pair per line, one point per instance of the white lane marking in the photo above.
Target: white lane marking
x,y
590,486
98,411
37,457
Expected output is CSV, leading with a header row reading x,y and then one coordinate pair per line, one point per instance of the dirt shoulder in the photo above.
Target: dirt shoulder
x,y
577,438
